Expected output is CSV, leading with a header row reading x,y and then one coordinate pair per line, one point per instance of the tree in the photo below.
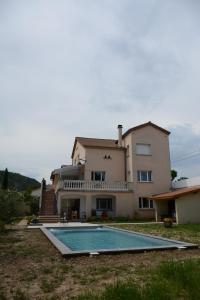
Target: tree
x,y
173,174
5,180
12,205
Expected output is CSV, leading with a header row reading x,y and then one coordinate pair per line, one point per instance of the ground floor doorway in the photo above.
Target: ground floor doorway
x,y
70,208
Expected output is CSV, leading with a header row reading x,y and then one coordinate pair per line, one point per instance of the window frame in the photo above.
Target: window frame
x,y
143,154
148,175
141,203
109,205
102,176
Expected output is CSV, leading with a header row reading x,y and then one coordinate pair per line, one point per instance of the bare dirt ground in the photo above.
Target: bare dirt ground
x,y
31,268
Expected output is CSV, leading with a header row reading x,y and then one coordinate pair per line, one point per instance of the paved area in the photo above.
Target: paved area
x,y
79,224
23,222
69,224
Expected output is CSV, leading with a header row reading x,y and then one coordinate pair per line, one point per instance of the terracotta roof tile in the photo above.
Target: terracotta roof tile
x,y
176,193
96,143
87,142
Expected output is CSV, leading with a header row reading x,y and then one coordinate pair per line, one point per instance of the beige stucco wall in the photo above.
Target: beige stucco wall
x,y
188,209
124,205
114,167
79,153
55,181
127,143
158,162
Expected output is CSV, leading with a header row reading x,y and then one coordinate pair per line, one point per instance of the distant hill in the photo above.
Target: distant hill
x,y
19,182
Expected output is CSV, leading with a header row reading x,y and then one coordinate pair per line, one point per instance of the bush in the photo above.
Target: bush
x,y
12,205
2,227
167,222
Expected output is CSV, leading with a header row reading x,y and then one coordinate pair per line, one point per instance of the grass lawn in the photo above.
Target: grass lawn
x,y
31,268
188,233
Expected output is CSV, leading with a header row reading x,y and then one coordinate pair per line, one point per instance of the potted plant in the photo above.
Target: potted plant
x,y
104,215
167,222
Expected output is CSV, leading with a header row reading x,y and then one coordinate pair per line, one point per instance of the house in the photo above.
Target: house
x,y
112,177
182,203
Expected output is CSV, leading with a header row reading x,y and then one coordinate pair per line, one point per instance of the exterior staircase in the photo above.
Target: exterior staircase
x,y
48,213
49,219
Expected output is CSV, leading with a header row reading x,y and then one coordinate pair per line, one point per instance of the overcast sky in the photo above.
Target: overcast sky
x,y
80,67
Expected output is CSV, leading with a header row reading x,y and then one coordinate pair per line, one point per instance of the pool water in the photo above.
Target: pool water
x,y
100,238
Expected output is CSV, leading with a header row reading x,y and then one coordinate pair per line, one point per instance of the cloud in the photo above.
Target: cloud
x,y
73,68
185,150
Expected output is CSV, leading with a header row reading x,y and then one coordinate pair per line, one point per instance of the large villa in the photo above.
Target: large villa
x,y
110,177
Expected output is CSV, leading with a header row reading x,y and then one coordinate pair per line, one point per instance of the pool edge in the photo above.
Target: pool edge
x,y
67,252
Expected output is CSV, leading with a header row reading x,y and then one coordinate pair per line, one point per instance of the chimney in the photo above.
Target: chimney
x,y
120,135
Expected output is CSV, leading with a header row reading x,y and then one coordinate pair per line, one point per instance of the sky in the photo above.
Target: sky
x,y
81,67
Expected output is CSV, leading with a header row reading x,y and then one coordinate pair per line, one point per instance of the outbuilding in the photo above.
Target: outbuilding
x,y
182,205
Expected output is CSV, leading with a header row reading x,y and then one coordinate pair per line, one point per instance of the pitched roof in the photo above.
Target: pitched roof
x,y
144,125
87,142
110,143
96,143
176,193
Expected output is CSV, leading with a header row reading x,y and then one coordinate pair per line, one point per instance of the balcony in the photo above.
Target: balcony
x,y
84,185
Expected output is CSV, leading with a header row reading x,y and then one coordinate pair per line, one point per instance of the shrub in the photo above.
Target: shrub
x,y
167,222
11,205
2,226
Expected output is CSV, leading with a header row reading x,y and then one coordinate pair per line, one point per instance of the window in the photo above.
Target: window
x,y
144,176
143,149
104,203
98,175
145,203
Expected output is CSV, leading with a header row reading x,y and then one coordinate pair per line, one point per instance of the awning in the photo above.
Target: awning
x,y
67,171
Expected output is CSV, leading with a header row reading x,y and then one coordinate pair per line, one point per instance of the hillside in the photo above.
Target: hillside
x,y
19,182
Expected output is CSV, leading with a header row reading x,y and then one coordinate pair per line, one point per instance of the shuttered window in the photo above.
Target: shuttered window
x,y
143,149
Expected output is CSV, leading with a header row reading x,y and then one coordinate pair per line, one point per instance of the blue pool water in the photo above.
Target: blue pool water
x,y
100,238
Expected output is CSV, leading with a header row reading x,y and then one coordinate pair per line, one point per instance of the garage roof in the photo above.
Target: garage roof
x,y
176,193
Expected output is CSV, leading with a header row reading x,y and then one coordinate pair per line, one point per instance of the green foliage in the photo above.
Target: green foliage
x,y
173,174
5,180
183,276
2,228
16,204
170,281
18,182
32,202
11,205
2,295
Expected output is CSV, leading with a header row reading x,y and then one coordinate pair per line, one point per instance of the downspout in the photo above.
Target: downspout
x,y
125,165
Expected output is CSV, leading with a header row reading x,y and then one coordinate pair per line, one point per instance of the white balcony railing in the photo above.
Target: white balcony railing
x,y
84,185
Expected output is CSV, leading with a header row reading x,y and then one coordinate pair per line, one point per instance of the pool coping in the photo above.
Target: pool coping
x,y
66,251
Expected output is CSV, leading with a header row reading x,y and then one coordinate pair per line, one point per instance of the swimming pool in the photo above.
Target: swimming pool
x,y
103,239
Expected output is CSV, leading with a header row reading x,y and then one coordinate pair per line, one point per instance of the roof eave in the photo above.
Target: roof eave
x,y
144,125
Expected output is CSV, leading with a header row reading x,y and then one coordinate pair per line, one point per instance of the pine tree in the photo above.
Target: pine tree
x,y
5,180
